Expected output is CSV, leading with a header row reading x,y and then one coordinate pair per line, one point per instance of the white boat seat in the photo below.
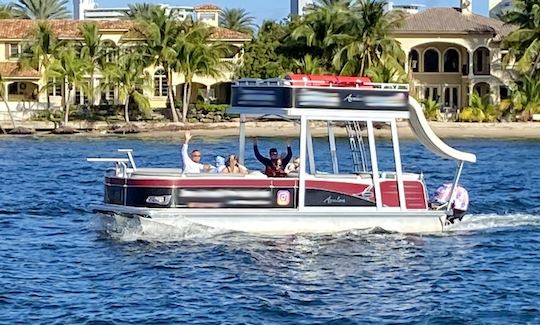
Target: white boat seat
x,y
343,176
211,175
149,172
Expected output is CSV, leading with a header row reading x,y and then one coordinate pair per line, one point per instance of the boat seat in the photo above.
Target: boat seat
x,y
346,176
220,175
406,176
146,172
211,175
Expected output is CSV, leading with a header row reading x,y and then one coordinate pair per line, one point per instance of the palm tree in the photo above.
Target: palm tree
x,y
237,19
308,65
316,34
332,3
41,9
92,50
70,68
4,99
43,45
526,96
387,70
261,57
524,43
159,31
6,11
129,76
368,38
140,10
197,55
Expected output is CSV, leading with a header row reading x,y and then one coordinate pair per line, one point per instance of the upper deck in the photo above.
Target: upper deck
x,y
336,98
327,97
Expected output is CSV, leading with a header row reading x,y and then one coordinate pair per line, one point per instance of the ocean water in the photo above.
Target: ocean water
x,y
57,267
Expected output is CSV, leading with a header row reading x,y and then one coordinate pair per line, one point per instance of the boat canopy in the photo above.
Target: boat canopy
x,y
335,98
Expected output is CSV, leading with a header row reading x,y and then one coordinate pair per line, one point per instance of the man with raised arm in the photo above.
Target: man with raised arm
x,y
192,163
273,167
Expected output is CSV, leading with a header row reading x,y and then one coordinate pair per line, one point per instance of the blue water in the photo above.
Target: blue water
x,y
56,267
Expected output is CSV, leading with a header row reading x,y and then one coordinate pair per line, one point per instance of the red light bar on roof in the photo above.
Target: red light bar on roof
x,y
328,80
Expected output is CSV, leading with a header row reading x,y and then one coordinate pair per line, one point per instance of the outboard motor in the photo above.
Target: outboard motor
x,y
459,205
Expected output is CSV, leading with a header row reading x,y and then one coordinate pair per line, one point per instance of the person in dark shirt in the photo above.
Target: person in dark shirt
x,y
273,167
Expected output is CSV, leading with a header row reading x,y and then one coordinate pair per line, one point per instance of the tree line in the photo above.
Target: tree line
x,y
342,37
354,38
155,40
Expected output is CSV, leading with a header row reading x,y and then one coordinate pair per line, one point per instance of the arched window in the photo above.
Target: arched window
x,y
110,51
431,61
481,64
160,83
482,88
414,63
451,61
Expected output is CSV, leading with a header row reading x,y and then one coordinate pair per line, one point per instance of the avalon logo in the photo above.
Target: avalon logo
x,y
352,98
334,200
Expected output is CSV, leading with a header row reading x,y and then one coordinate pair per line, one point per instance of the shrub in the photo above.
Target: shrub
x,y
207,107
431,109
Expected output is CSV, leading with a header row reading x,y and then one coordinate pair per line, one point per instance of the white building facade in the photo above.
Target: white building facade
x,y
89,10
298,7
497,7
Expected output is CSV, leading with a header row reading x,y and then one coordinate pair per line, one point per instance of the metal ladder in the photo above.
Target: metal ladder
x,y
356,142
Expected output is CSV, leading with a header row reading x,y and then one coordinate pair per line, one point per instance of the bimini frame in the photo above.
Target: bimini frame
x,y
359,101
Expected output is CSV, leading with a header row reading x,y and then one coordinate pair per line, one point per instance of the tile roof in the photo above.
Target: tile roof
x,y
204,7
16,29
12,69
221,33
65,28
451,20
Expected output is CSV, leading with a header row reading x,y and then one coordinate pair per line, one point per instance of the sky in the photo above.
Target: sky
x,y
278,9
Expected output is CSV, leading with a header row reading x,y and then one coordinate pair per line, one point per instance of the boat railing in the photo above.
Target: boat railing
x,y
122,166
278,82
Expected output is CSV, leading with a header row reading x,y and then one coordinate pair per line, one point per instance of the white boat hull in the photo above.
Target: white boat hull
x,y
272,222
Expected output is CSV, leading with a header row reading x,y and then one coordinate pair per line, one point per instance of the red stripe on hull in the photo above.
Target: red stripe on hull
x,y
415,196
340,187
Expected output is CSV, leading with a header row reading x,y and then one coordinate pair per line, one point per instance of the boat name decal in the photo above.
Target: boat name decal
x,y
333,200
352,98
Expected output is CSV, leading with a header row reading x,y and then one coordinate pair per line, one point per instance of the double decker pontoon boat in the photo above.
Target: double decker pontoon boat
x,y
306,201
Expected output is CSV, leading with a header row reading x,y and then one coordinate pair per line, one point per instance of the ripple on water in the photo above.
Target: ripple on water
x,y
57,267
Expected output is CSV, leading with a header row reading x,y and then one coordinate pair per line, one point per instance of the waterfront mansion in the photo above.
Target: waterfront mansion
x,y
23,85
453,52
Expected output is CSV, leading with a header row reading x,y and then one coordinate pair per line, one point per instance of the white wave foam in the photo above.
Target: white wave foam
x,y
133,229
486,221
178,229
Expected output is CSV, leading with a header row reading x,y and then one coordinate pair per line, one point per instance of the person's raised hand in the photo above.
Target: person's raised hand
x,y
188,136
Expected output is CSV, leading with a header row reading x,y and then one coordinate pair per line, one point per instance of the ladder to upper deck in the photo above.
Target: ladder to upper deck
x,y
356,143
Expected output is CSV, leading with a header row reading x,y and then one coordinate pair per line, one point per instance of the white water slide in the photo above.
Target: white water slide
x,y
428,138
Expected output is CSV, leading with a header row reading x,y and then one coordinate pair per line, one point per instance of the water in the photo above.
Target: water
x,y
56,267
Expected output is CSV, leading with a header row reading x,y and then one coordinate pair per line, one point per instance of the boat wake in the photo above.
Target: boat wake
x,y
489,221
181,229
131,229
